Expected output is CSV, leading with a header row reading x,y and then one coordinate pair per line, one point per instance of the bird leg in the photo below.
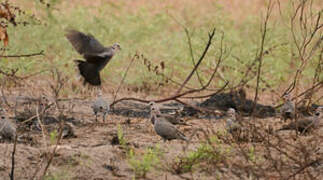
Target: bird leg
x,y
96,117
104,114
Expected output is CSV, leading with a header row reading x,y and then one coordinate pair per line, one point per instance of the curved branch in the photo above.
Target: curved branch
x,y
211,35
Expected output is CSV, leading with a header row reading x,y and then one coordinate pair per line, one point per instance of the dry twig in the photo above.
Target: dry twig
x,y
41,53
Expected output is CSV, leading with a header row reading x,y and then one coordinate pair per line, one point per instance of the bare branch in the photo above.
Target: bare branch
x,y
211,35
41,53
54,150
188,36
261,54
125,75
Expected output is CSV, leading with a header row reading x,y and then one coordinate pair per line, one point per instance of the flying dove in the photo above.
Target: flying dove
x,y
95,54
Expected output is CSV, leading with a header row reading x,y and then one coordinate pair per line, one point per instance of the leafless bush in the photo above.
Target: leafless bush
x,y
260,152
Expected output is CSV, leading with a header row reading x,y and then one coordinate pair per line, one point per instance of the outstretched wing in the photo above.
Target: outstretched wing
x,y
84,44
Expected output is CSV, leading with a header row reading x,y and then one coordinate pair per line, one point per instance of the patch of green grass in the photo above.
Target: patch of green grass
x,y
53,137
58,175
141,164
154,32
205,155
121,138
253,156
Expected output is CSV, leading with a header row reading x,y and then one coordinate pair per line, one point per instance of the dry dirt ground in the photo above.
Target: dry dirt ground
x,y
91,154
94,154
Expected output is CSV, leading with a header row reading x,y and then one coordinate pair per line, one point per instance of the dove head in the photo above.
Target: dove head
x,y
116,47
231,112
286,97
43,101
154,106
242,93
153,111
318,111
151,103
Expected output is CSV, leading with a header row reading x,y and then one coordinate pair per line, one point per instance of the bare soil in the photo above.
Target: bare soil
x,y
94,152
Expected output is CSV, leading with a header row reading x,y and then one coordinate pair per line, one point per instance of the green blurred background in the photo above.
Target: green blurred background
x,y
155,29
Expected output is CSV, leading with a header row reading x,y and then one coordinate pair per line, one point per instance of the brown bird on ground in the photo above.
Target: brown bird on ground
x,y
96,55
231,123
165,129
100,106
7,128
174,119
234,125
288,108
307,124
68,130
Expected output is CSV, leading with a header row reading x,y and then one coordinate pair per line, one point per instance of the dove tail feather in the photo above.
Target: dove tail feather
x,y
89,72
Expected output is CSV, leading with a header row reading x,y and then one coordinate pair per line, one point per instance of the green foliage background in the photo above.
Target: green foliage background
x,y
158,34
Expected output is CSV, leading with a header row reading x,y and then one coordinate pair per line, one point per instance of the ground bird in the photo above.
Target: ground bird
x,y
174,119
7,128
232,126
165,129
307,124
68,130
96,55
100,106
288,108
231,113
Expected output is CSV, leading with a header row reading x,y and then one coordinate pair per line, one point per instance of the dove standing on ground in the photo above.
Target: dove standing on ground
x,y
288,108
100,106
170,118
7,128
68,130
232,125
306,124
96,55
165,129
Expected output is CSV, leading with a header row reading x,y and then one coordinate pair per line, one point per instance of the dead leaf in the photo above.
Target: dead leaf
x,y
4,36
162,65
5,13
